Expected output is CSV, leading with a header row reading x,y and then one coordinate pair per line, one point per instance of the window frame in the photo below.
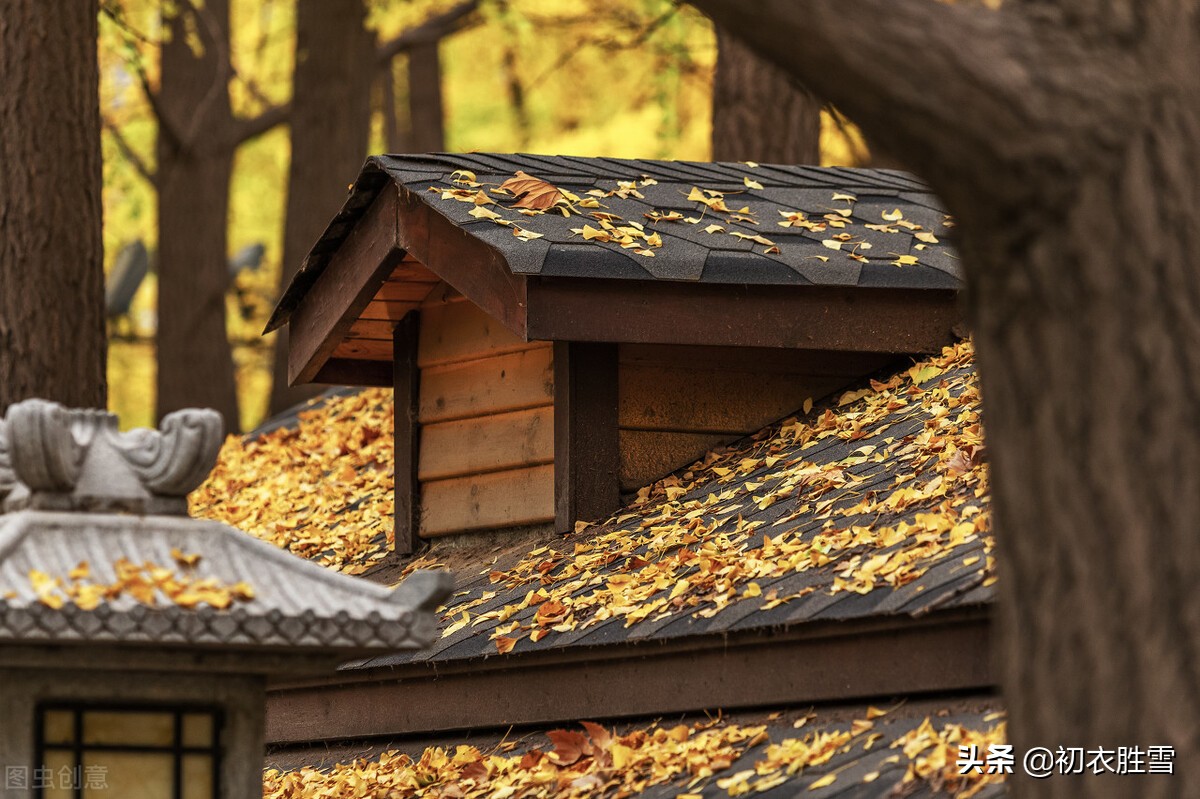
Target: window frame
x,y
77,748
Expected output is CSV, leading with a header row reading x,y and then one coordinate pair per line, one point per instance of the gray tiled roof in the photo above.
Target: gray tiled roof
x,y
297,604
688,252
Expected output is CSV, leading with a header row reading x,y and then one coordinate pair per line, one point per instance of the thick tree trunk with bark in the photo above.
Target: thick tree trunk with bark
x,y
1066,139
195,162
330,119
760,113
52,339
425,98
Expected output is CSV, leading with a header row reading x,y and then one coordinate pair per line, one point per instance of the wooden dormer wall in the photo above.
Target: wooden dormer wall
x,y
485,416
486,421
678,402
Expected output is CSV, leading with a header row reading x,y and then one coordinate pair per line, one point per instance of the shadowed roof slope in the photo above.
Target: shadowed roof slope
x,y
717,223
876,504
857,752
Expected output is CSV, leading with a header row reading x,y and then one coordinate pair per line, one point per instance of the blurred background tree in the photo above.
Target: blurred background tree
x,y
204,103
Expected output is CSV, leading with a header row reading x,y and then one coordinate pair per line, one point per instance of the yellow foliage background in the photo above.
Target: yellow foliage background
x,y
629,78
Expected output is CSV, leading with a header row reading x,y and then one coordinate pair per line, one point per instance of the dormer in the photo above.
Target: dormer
x,y
560,331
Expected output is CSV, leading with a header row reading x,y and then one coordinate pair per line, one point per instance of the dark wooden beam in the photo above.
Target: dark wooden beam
x,y
587,456
838,661
348,372
475,269
792,317
406,381
353,275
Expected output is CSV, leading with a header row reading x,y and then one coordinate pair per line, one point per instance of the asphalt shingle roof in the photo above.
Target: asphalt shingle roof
x,y
874,504
855,752
888,228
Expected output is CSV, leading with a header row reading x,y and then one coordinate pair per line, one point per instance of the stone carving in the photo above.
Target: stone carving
x,y
8,479
56,458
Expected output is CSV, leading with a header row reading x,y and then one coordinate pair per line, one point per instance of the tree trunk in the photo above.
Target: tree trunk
x,y
759,112
425,98
195,161
331,107
1066,139
52,338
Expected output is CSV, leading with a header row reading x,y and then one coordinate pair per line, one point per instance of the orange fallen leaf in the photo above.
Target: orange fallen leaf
x,y
531,192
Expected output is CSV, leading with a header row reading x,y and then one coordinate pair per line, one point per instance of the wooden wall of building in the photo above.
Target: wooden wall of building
x,y
486,423
486,412
678,402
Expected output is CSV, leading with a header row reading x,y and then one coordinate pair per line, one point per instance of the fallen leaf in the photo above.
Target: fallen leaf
x,y
828,779
531,192
747,237
525,235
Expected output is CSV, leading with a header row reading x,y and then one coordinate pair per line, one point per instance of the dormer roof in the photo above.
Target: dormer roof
x,y
626,251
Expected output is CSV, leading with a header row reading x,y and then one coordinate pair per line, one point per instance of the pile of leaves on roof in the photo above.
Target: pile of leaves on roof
x,y
321,489
147,583
803,495
531,196
739,759
905,488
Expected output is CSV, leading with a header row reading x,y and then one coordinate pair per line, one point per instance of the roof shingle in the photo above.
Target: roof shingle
x,y
773,224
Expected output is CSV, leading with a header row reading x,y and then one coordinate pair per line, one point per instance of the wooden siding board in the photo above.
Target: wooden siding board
x,y
508,382
487,443
372,329
396,291
647,456
461,331
386,310
486,501
687,399
361,349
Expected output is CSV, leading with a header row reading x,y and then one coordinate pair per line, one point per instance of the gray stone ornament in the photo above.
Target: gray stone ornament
x,y
218,615
8,478
52,458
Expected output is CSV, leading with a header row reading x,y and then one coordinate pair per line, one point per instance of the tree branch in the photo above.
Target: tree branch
x,y
136,161
115,13
907,71
252,127
460,17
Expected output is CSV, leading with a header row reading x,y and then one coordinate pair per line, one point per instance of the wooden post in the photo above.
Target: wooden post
x,y
587,455
406,381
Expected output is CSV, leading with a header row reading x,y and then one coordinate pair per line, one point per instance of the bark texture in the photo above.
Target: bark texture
x,y
425,98
760,113
330,118
52,342
330,113
195,162
1066,139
